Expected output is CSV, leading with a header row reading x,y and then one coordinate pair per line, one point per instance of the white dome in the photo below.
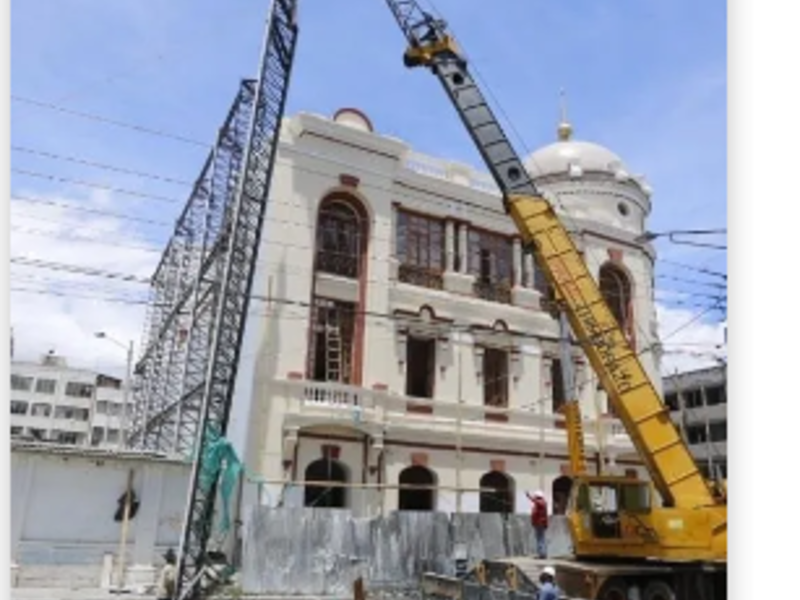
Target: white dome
x,y
574,157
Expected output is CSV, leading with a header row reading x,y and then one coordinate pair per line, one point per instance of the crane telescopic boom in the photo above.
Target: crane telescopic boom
x,y
645,417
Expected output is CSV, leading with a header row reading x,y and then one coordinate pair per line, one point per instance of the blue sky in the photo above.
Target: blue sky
x,y
647,79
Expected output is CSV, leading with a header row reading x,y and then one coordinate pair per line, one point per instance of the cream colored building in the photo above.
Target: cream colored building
x,y
399,337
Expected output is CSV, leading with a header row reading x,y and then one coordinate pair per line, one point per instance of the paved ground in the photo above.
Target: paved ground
x,y
67,594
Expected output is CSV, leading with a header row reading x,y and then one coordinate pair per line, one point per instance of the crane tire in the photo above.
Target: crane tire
x,y
658,589
614,589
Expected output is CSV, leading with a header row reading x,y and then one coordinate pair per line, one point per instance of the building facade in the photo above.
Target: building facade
x,y
53,402
400,342
698,401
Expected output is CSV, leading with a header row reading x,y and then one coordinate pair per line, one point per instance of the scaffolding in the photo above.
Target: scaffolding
x,y
185,297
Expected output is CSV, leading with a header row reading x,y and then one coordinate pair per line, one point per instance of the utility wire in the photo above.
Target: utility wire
x,y
99,165
77,269
90,184
101,119
106,213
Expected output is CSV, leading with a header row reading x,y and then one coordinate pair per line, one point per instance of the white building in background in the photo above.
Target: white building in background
x,y
53,402
401,335
698,401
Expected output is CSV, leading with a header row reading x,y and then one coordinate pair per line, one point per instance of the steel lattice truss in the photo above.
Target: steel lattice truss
x,y
185,297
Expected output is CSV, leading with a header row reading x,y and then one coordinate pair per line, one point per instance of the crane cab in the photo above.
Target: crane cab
x,y
610,512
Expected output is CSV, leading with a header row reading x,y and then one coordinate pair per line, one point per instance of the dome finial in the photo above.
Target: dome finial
x,y
564,127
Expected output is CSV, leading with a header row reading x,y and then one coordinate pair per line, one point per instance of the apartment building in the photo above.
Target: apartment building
x,y
53,402
699,404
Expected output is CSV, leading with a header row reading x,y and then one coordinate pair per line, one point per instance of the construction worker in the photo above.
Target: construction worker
x,y
539,521
548,590
166,579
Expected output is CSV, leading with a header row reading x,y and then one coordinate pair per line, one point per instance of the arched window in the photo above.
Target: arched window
x,y
616,289
340,235
421,498
497,493
561,489
325,496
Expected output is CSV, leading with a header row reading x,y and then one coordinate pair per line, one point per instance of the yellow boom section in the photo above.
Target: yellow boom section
x,y
646,418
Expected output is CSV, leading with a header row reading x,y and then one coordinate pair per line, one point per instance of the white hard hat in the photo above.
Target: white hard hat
x,y
538,494
549,571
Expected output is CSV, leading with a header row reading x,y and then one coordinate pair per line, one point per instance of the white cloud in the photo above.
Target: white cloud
x,y
690,341
61,311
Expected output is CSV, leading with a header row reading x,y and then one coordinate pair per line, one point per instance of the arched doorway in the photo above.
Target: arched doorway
x,y
324,496
497,493
561,489
422,498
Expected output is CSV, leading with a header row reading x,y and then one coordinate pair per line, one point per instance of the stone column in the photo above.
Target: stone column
x,y
528,266
516,255
449,245
463,232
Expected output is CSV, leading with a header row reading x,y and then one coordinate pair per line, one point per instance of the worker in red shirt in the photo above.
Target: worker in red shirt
x,y
539,521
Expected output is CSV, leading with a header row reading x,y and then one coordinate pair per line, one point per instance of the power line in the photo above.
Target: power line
x,y
82,238
101,119
90,184
72,295
107,213
99,165
78,269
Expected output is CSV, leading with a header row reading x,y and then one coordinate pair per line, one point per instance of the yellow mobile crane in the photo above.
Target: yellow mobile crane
x,y
610,518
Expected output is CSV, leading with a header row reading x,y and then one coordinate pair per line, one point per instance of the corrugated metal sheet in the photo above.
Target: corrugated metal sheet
x,y
306,551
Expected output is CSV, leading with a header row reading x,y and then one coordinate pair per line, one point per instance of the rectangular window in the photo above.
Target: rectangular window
x,y
490,261
41,410
671,400
72,413
18,407
719,431
420,367
66,437
692,398
103,381
20,383
495,379
332,341
420,249
101,407
79,390
97,436
112,436
46,386
715,395
558,393
16,430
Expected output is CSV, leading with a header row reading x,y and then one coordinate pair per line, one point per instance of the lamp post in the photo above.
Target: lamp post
x,y
127,385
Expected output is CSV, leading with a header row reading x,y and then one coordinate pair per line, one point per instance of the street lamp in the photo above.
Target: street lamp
x,y
127,386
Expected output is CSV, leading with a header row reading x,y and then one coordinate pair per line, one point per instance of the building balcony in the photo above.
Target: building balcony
x,y
421,276
311,403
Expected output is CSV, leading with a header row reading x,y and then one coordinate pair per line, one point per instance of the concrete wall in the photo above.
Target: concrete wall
x,y
62,513
321,552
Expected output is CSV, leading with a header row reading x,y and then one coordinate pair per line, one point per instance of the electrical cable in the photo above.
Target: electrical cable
x,y
90,184
99,165
101,119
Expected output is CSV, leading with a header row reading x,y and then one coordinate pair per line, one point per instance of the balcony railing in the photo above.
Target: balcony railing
x,y
421,276
493,291
338,263
337,401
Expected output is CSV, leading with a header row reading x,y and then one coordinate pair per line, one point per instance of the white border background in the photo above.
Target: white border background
x,y
764,409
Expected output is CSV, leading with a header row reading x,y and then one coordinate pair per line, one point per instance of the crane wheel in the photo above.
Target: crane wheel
x,y
658,590
613,589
